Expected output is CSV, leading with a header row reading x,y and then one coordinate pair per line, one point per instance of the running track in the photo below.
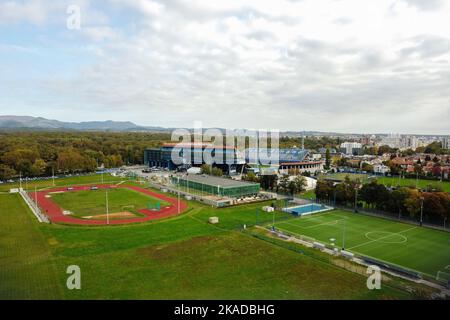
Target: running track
x,y
55,213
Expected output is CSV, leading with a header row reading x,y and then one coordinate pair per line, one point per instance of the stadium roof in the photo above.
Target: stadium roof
x,y
216,181
284,155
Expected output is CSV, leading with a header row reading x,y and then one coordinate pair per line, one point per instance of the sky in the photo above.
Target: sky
x,y
326,65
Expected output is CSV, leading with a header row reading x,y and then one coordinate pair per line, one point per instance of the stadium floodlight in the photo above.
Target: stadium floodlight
x,y
35,198
343,236
178,194
421,210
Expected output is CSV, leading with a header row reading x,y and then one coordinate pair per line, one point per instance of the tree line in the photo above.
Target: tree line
x,y
434,206
31,154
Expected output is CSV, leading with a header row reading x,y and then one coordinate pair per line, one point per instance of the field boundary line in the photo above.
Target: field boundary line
x,y
314,226
387,236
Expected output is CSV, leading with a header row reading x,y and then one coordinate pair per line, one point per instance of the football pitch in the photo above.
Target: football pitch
x,y
420,249
93,202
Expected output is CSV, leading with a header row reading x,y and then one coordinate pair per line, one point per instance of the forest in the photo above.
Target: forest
x,y
40,153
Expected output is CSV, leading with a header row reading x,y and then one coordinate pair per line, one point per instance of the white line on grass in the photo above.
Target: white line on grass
x,y
333,222
387,236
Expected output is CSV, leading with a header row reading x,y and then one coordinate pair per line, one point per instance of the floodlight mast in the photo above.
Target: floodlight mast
x,y
107,209
178,194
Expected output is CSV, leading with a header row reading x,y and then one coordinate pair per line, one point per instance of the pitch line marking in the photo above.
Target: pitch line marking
x,y
333,222
402,237
387,236
294,233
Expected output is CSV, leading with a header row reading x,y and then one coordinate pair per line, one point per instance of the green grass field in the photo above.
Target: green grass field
x,y
421,183
393,181
183,257
421,249
93,202
74,180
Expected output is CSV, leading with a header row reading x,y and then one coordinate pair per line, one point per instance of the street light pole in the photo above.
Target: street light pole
x,y
107,209
356,199
343,237
178,195
421,211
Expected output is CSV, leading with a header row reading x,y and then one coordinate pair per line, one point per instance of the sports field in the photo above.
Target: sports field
x,y
183,257
420,249
88,203
392,181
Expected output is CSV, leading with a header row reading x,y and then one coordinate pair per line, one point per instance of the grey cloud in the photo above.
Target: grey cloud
x,y
428,47
425,4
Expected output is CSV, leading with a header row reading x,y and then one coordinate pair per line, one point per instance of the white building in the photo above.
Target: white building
x,y
392,140
381,169
446,143
351,148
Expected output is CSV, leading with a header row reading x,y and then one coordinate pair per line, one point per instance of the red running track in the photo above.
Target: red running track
x,y
55,213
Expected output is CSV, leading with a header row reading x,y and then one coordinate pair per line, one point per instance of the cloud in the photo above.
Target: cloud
x,y
338,66
425,4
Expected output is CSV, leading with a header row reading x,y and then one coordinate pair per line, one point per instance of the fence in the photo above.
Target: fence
x,y
34,207
433,224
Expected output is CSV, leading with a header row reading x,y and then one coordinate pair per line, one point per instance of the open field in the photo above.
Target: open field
x,y
393,181
27,267
180,257
421,249
341,176
421,183
93,202
67,181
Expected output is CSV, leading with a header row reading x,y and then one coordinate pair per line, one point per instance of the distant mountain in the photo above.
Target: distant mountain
x,y
27,122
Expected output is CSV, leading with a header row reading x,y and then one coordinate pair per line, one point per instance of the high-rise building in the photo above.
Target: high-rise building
x,y
446,143
351,148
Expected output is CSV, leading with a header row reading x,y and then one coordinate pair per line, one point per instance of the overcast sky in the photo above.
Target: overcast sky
x,y
327,65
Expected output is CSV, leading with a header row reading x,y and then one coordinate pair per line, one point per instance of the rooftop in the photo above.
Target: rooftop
x,y
216,181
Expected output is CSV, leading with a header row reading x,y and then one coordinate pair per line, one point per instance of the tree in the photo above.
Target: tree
x,y
413,202
327,160
216,172
374,194
268,181
251,176
6,172
436,204
283,183
205,169
324,190
38,168
300,184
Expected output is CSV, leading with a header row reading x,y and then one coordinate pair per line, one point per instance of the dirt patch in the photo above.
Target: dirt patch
x,y
115,215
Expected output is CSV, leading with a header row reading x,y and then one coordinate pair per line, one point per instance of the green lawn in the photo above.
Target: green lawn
x,y
27,266
421,183
181,257
85,179
352,176
421,249
93,202
393,181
